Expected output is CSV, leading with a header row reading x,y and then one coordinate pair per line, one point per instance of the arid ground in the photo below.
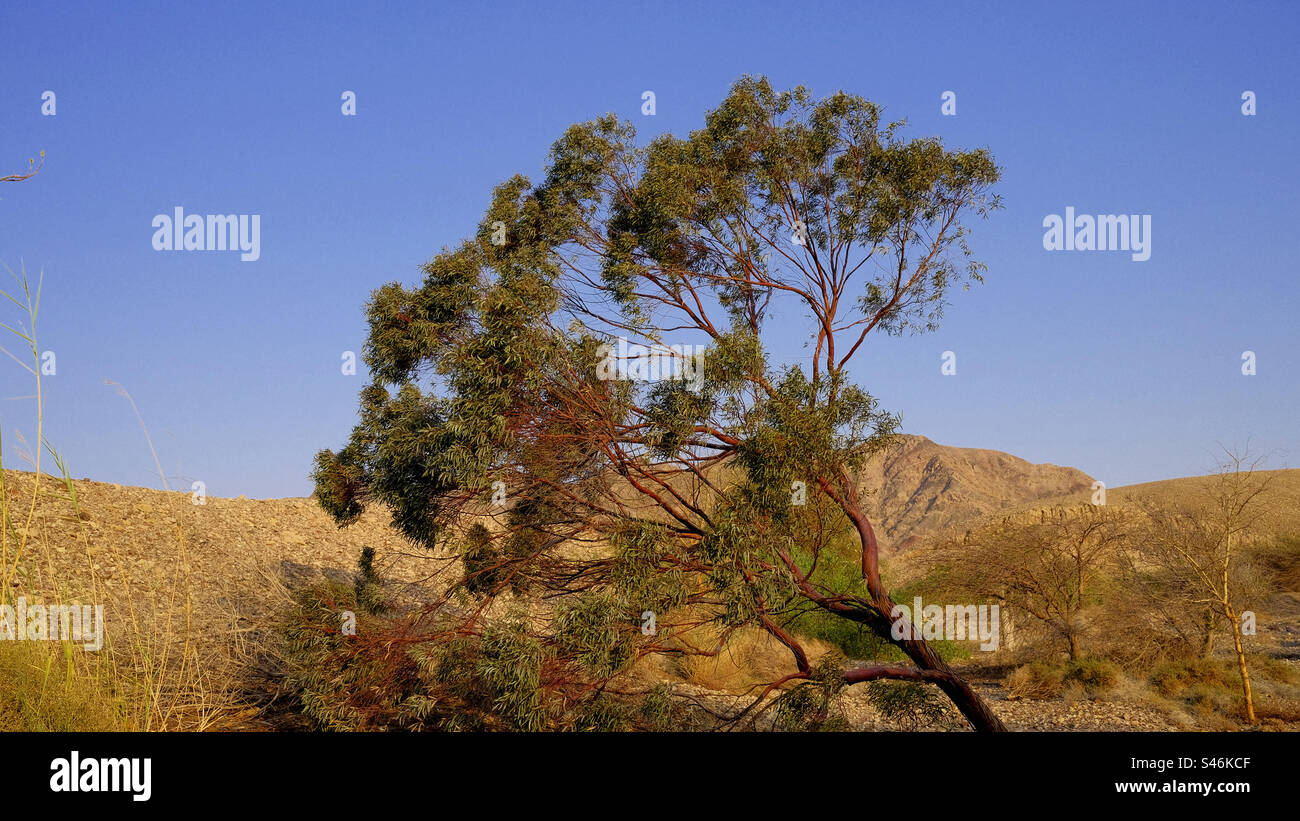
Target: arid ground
x,y
192,592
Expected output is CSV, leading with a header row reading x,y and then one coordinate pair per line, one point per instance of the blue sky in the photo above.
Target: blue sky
x,y
1128,370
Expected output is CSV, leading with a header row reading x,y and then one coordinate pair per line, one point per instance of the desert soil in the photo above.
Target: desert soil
x,y
222,571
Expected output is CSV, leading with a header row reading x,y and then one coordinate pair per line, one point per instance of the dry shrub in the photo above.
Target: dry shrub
x,y
1284,710
1094,675
1037,680
150,660
738,660
1173,679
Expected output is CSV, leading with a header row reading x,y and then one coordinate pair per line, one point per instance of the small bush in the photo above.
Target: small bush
x,y
602,714
369,592
1038,680
1214,704
1094,675
345,682
1211,688
1267,668
1172,678
660,712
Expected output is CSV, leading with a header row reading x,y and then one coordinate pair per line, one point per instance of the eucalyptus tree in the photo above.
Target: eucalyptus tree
x,y
598,401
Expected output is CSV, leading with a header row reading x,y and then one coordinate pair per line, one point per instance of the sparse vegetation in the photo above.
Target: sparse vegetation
x,y
1095,675
148,675
1199,554
1050,567
44,689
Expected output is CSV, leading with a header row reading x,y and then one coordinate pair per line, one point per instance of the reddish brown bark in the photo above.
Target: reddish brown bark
x,y
877,614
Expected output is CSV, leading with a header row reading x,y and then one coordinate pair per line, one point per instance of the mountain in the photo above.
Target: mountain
x,y
919,488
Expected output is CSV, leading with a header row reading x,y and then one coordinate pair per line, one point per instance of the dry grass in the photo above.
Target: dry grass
x,y
43,688
149,674
735,661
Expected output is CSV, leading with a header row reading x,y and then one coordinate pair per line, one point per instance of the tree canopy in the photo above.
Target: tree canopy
x,y
567,499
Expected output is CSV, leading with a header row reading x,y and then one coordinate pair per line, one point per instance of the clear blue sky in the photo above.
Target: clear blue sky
x,y
1127,370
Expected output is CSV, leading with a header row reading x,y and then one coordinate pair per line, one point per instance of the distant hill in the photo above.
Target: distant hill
x,y
1280,504
917,490
1278,510
920,488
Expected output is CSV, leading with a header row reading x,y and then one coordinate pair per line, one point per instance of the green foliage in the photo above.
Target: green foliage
x,y
338,480
647,571
853,639
907,703
603,714
485,562
811,428
367,587
806,706
510,664
660,712
739,571
345,682
672,412
597,632
493,680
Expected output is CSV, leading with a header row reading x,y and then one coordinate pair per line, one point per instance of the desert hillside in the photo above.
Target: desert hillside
x,y
211,579
1279,514
238,559
921,488
917,489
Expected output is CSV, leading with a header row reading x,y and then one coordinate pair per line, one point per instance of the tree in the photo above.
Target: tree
x,y
1194,555
603,355
1050,567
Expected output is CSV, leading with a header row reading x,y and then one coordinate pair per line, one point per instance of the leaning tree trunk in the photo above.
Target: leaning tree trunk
x,y
921,653
974,708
